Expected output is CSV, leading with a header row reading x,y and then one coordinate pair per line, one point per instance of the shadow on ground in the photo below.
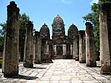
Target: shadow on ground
x,y
25,77
39,68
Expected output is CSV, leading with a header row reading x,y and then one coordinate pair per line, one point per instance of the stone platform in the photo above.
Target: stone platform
x,y
61,71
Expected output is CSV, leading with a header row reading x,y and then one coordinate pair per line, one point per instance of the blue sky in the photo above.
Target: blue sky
x,y
44,11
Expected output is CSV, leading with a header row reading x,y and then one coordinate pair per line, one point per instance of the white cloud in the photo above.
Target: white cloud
x,y
66,1
94,1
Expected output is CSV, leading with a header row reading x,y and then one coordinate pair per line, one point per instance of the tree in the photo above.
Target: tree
x,y
2,32
94,19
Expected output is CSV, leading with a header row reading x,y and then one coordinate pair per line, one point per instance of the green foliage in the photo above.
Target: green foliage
x,y
3,28
94,19
2,32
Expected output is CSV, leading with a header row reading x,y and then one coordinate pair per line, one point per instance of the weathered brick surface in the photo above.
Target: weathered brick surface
x,y
37,48
28,49
11,45
90,46
82,47
45,38
74,41
105,38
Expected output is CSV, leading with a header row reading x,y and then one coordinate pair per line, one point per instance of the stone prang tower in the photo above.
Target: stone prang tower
x,y
58,31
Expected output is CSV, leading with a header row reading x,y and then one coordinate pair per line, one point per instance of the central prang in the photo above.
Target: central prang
x,y
58,31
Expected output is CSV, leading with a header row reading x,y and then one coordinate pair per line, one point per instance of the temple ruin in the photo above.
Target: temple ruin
x,y
39,48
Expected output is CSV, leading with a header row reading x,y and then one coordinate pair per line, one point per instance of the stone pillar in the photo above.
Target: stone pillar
x,y
37,48
90,46
11,43
67,50
64,49
76,48
51,50
28,48
54,50
105,38
47,47
82,49
71,51
34,47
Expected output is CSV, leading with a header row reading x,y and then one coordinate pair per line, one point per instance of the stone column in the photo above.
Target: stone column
x,y
76,48
37,48
51,50
71,50
47,47
82,49
90,46
54,50
105,38
28,48
67,50
64,49
11,43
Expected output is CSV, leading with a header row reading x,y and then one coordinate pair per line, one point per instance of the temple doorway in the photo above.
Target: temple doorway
x,y
59,50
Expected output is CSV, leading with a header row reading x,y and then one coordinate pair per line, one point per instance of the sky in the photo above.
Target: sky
x,y
44,11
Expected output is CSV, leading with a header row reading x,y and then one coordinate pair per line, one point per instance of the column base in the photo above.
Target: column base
x,y
38,62
9,75
82,61
91,64
27,65
105,70
77,58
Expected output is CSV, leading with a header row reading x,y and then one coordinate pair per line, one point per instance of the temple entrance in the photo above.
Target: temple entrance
x,y
59,51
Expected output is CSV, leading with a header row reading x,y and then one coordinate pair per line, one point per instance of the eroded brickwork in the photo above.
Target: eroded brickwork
x,y
28,49
11,46
90,46
105,38
82,47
